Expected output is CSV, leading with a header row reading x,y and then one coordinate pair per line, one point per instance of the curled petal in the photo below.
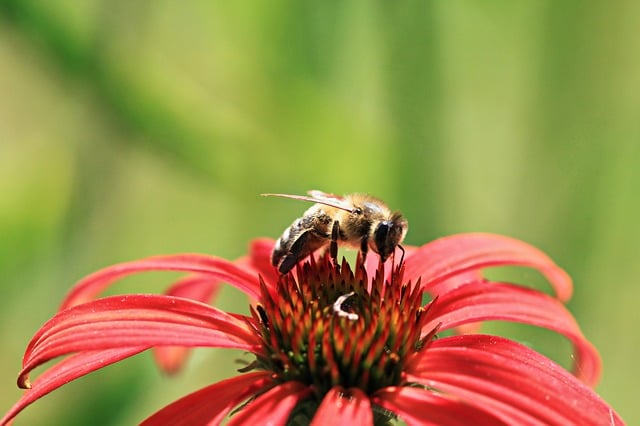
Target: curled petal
x,y
450,256
133,321
275,405
351,407
216,268
212,404
417,406
198,287
65,371
512,381
483,301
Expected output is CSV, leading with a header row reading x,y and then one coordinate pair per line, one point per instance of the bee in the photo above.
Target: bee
x,y
355,220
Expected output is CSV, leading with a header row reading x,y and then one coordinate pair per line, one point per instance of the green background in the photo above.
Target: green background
x,y
136,128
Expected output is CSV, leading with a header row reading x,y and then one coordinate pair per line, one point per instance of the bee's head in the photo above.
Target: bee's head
x,y
388,234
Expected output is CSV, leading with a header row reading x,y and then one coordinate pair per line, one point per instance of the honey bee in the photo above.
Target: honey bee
x,y
355,220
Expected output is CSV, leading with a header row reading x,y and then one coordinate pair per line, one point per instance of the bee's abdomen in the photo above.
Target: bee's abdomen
x,y
284,243
304,236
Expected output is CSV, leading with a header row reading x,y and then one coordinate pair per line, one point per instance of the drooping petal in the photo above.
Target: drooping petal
x,y
512,381
483,301
272,407
450,256
417,406
65,371
351,407
216,268
212,404
198,287
137,320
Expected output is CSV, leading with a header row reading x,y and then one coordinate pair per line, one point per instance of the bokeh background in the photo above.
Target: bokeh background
x,y
136,128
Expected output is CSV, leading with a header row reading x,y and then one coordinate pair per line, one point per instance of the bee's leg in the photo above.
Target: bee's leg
x,y
294,254
333,248
364,247
401,258
393,259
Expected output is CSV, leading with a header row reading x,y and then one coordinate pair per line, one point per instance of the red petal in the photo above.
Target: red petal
x,y
260,259
417,406
198,287
450,256
456,281
272,407
483,301
65,371
211,404
217,269
171,359
351,407
136,320
514,382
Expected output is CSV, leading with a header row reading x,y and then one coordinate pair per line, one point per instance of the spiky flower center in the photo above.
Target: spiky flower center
x,y
333,326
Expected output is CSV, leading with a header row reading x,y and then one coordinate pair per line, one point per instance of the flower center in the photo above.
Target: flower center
x,y
333,326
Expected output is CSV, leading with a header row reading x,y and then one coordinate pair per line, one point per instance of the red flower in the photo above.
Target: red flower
x,y
338,345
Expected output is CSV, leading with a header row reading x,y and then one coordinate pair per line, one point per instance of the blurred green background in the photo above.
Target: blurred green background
x,y
136,128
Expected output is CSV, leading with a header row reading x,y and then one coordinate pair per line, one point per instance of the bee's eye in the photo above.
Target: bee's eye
x,y
357,211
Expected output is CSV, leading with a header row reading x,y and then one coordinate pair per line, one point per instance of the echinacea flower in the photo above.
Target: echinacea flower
x,y
336,344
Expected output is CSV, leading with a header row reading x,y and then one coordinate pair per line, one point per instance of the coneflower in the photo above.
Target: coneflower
x,y
338,344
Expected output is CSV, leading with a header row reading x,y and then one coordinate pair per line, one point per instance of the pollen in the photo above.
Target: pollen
x,y
329,325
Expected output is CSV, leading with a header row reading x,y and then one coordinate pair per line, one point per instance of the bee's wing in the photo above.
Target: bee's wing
x,y
317,194
319,197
